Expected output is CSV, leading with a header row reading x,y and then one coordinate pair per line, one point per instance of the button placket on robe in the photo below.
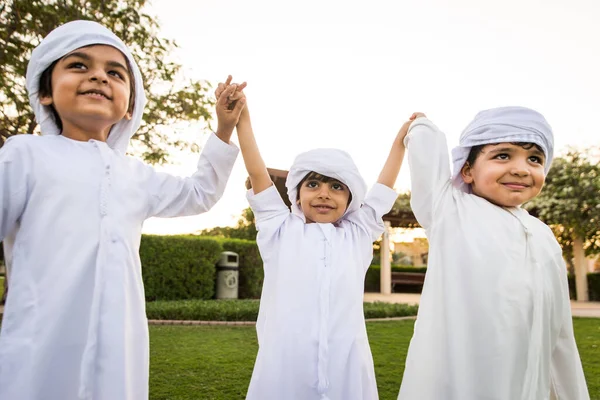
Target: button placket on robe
x,y
532,374
88,367
323,346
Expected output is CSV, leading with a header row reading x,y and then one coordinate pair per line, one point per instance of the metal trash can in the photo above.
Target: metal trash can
x,y
227,275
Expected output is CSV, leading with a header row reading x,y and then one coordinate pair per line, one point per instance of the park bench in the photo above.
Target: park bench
x,y
407,278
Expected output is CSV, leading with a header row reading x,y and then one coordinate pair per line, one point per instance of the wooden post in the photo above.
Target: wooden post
x,y
386,266
581,284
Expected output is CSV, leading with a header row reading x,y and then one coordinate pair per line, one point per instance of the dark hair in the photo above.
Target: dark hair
x,y
45,89
476,150
312,175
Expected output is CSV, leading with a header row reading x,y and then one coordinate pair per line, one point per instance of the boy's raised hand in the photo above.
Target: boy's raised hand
x,y
230,103
404,129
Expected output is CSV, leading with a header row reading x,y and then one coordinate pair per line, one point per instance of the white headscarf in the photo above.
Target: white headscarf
x,y
60,42
333,163
500,125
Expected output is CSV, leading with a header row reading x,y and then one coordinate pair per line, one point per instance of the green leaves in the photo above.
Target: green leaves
x,y
171,99
570,200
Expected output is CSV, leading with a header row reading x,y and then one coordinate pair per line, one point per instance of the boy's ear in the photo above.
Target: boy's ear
x,y
46,100
466,173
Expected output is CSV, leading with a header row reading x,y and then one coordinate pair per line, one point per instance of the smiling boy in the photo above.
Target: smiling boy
x,y
494,320
73,205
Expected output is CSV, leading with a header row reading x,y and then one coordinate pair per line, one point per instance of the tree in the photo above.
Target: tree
x,y
23,24
570,205
245,228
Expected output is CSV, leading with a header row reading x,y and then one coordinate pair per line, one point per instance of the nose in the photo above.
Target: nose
x,y
520,169
324,192
98,75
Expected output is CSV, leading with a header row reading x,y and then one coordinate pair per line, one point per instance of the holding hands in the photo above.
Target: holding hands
x,y
404,129
230,103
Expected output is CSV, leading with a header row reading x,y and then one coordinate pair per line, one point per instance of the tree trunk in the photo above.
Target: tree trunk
x,y
385,279
581,284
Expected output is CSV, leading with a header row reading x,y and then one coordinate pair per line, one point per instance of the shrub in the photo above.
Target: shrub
x,y
204,310
372,279
593,286
247,310
380,309
179,267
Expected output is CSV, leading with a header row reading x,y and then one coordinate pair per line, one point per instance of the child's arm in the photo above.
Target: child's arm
x,y
269,209
391,168
429,166
173,196
255,165
14,181
567,379
380,199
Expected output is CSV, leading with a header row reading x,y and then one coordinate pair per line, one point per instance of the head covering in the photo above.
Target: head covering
x,y
333,163
60,42
500,125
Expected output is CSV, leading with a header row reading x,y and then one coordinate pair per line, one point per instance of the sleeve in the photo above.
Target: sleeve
x,y
177,197
14,185
378,201
566,371
429,166
270,213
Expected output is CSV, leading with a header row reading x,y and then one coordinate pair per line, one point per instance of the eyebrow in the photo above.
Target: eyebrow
x,y
502,150
534,150
112,63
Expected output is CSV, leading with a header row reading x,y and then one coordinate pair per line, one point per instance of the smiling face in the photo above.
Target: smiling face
x,y
506,174
322,199
90,89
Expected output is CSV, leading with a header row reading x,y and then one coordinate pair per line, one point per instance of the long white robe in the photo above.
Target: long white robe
x,y
311,330
75,325
494,320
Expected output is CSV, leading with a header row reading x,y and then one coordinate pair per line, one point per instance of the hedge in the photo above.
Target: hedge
x,y
593,286
247,310
372,279
251,266
179,267
204,310
184,267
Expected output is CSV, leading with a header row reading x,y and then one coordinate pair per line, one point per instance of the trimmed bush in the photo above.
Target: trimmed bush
x,y
593,286
380,309
204,310
179,267
372,279
247,310
251,266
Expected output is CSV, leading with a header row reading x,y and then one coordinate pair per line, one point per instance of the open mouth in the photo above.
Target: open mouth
x,y
96,94
322,208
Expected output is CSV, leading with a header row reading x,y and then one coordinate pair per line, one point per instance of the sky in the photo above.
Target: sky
x,y
347,74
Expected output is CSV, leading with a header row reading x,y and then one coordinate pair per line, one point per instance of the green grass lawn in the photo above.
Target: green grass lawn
x,y
212,362
1,286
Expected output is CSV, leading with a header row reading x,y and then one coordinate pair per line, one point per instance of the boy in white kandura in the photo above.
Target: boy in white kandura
x,y
312,337
494,320
73,205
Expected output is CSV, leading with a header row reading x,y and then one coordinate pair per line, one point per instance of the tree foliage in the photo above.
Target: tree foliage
x,y
24,23
570,201
244,229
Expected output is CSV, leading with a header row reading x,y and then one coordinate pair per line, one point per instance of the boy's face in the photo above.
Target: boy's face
x,y
91,88
506,174
323,202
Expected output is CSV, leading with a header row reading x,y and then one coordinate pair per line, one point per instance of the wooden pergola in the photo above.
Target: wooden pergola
x,y
393,219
